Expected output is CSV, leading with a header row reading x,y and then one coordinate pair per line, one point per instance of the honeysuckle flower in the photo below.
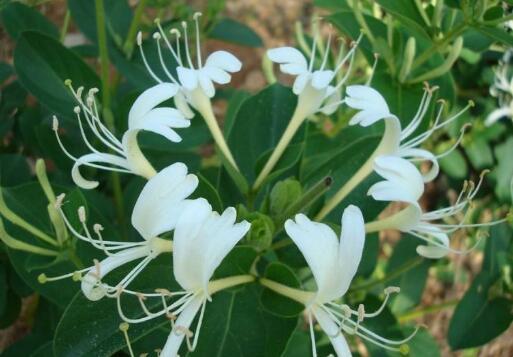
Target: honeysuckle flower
x,y
502,89
196,82
313,88
432,227
396,141
126,155
156,211
202,239
334,263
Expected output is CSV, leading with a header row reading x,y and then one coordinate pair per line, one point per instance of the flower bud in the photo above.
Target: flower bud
x,y
284,194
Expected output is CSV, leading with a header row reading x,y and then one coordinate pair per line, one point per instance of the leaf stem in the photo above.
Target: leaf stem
x,y
106,101
65,25
439,46
411,315
409,265
128,46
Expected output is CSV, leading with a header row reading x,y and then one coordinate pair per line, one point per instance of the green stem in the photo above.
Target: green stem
x,y
411,315
361,21
225,283
65,25
106,101
306,199
18,221
439,46
128,47
301,296
411,264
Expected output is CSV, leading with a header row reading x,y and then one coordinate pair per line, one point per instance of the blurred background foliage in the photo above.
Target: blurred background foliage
x,y
466,302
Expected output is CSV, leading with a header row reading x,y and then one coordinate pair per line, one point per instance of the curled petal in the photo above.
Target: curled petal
x,y
497,114
216,74
289,55
94,158
207,86
300,83
149,99
371,103
223,60
425,156
162,200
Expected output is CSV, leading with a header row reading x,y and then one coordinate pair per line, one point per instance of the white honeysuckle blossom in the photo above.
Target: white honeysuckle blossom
x,y
397,141
156,211
334,263
313,88
502,89
202,239
126,155
432,227
195,81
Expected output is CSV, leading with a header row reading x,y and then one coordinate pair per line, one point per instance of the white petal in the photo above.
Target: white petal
x,y
175,338
101,158
223,60
89,285
216,74
207,86
188,77
319,245
170,117
371,103
293,69
352,240
497,114
337,340
162,200
321,79
431,252
188,261
425,155
332,97
403,178
288,55
300,83
149,99
182,105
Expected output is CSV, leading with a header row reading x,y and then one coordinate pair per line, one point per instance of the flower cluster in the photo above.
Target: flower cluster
x,y
202,238
502,89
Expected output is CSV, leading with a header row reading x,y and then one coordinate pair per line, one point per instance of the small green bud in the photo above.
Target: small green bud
x,y
42,279
409,56
404,350
262,229
284,194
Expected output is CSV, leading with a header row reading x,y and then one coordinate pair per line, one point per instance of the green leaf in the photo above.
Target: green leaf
x,y
43,64
259,125
454,165
413,281
504,170
336,5
497,249
233,31
496,34
479,318
278,304
5,71
18,17
207,191
406,12
479,153
14,170
423,344
3,291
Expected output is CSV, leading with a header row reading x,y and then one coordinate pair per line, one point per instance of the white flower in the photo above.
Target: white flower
x,y
397,141
427,226
312,86
196,84
127,156
502,89
156,211
202,239
334,263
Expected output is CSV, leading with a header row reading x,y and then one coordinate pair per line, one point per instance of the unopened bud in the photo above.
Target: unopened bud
x,y
409,56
